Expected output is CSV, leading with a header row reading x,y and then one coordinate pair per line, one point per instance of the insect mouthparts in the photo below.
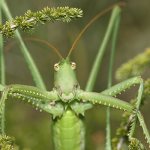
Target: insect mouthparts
x,y
67,97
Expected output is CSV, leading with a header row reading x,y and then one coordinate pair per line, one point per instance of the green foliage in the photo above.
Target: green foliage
x,y
121,133
7,143
121,137
30,19
135,144
135,66
146,93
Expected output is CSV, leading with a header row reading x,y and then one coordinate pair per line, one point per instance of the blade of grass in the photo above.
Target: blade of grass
x,y
97,65
101,51
30,62
2,77
111,62
2,64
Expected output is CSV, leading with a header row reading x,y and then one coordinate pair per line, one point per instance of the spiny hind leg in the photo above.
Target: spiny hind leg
x,y
81,107
136,114
120,87
98,98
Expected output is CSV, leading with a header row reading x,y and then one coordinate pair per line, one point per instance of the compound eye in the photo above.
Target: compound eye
x,y
56,67
73,65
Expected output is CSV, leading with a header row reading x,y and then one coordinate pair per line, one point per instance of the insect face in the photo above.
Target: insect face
x,y
65,80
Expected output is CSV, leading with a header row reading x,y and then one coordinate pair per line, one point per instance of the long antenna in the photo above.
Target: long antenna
x,y
48,44
37,40
92,21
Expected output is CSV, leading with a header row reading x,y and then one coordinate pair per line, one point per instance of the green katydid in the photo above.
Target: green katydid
x,y
67,102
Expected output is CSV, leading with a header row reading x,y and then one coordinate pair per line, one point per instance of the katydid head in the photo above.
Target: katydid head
x,y
65,81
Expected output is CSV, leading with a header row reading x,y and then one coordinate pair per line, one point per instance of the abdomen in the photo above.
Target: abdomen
x,y
69,132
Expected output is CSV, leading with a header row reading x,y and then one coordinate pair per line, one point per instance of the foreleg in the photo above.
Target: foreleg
x,y
122,86
40,99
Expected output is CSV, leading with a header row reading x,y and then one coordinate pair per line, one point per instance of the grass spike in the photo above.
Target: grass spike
x,y
7,143
135,66
30,19
135,144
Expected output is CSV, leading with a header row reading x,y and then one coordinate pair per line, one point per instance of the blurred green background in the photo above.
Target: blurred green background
x,y
31,128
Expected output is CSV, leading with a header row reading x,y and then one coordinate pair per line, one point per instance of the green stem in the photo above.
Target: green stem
x,y
31,64
112,55
97,65
2,76
98,60
2,64
113,49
